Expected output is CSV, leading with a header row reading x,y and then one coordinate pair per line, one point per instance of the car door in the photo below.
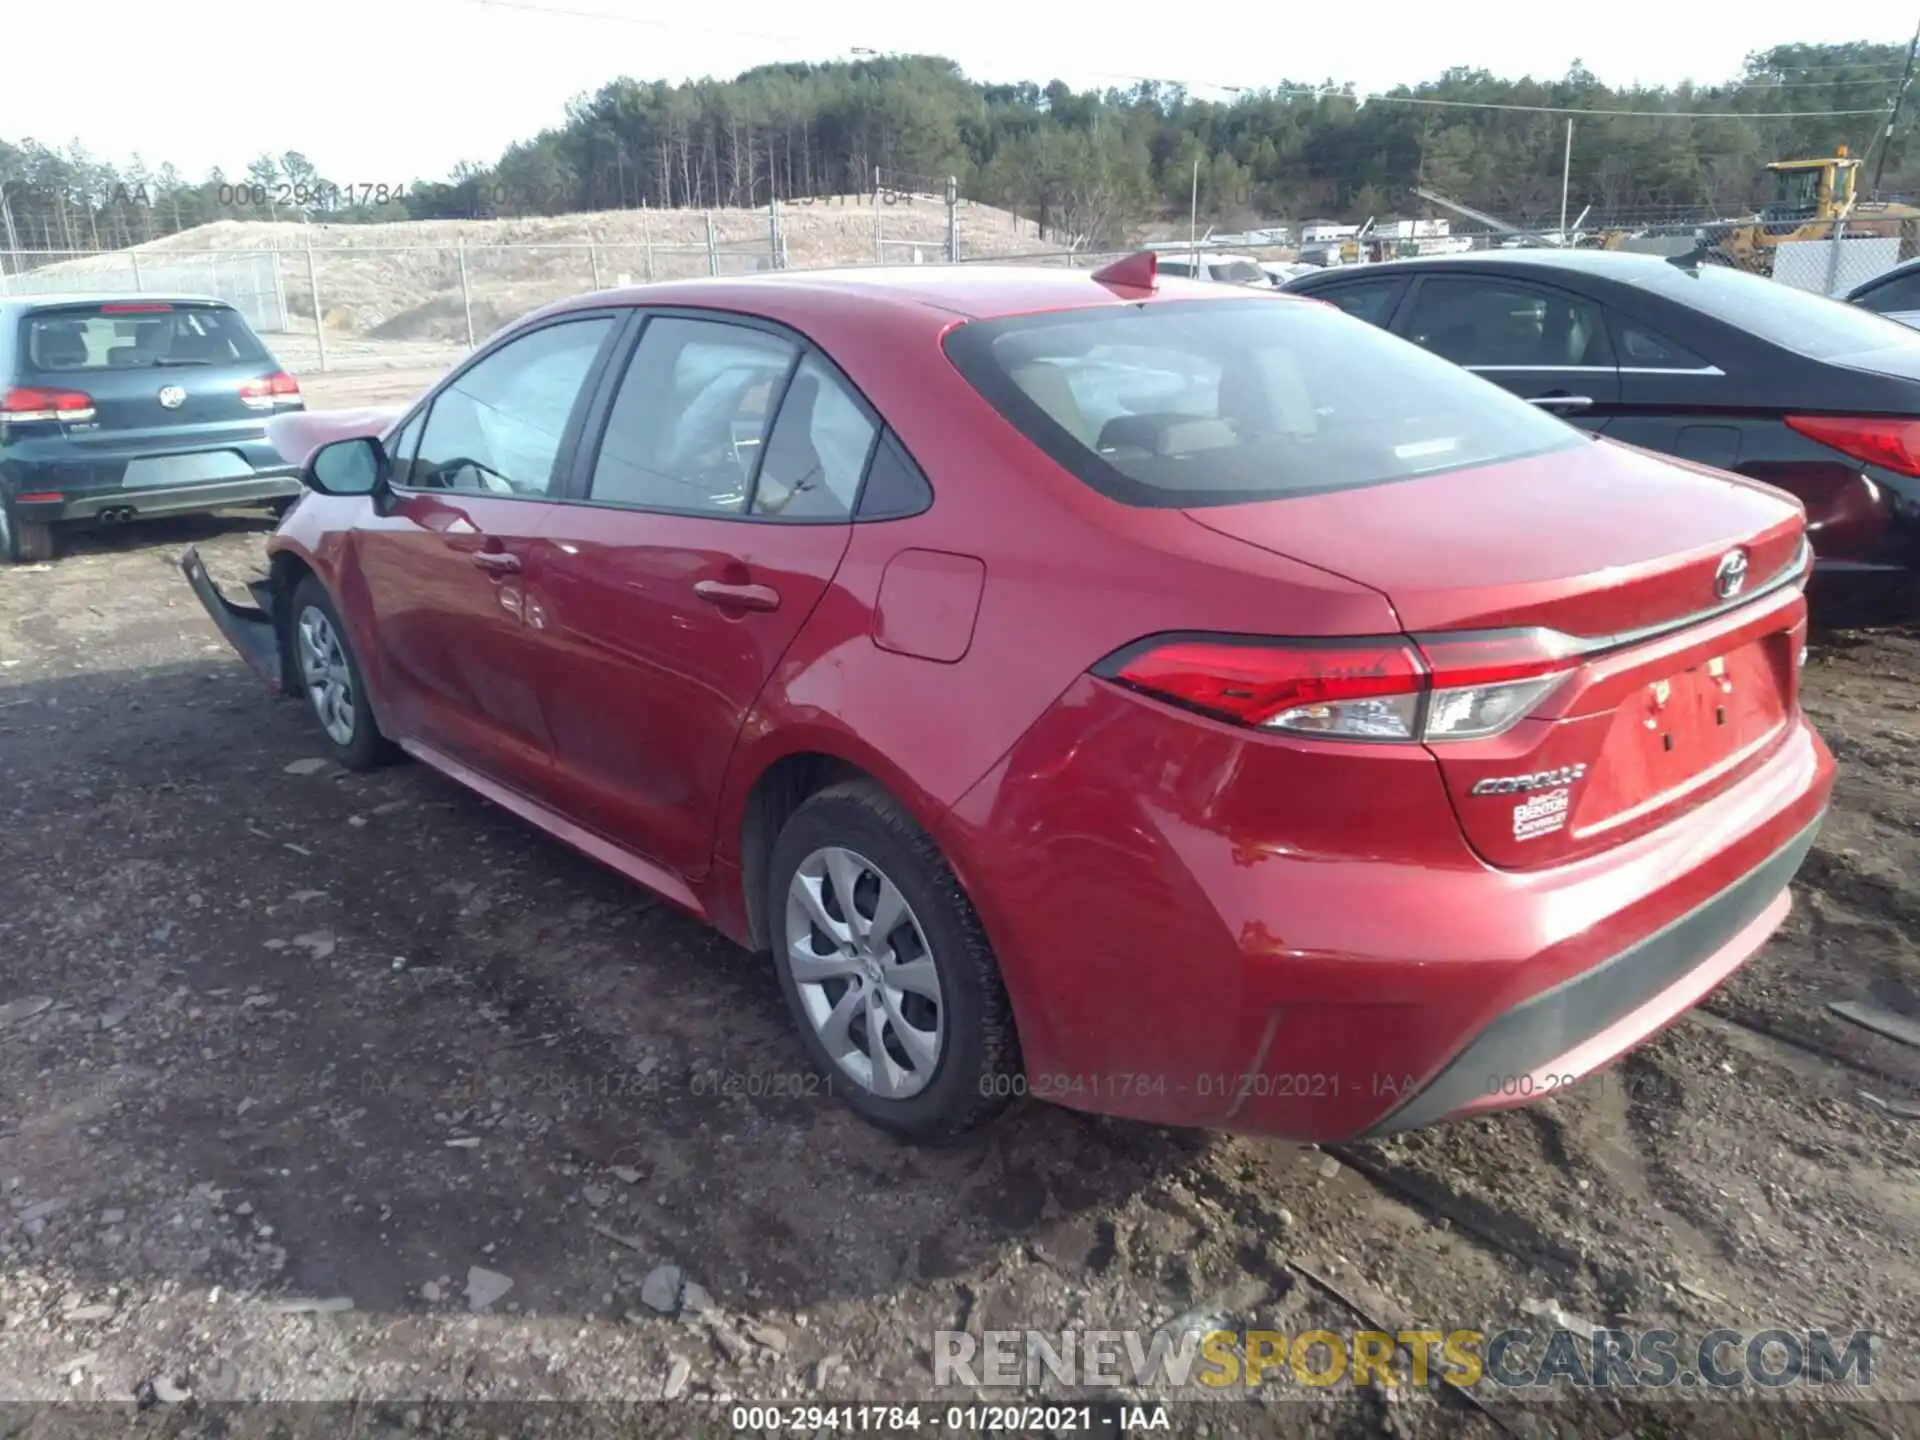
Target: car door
x,y
1547,345
712,511
1672,398
446,557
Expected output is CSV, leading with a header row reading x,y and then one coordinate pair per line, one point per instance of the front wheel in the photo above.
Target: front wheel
x,y
330,679
886,968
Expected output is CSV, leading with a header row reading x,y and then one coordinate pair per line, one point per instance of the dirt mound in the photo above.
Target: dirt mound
x,y
404,280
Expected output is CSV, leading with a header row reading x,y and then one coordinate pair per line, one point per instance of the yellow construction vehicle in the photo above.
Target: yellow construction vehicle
x,y
1809,198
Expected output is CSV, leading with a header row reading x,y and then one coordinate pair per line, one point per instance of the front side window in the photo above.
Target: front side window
x,y
1216,403
1495,324
691,416
1369,300
497,427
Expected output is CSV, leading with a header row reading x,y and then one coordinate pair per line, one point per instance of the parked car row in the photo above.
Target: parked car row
x,y
1157,696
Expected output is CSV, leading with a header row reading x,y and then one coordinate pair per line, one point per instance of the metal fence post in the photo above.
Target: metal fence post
x,y
879,252
319,317
773,229
134,256
713,248
279,291
953,220
466,293
593,261
1833,255
646,239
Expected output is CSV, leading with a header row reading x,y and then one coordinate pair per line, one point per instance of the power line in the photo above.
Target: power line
x,y
1576,110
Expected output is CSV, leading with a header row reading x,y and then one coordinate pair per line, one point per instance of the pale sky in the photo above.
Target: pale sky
x,y
388,91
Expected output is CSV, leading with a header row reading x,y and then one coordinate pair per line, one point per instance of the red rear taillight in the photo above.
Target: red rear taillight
x,y
1892,444
1362,689
1440,688
131,308
27,405
269,391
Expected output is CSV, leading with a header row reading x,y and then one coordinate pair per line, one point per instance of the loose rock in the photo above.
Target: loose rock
x,y
678,1373
661,1289
484,1287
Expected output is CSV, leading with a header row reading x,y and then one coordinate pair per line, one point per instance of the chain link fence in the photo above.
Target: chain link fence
x,y
338,304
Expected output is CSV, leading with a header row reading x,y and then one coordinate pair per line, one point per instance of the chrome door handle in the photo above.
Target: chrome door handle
x,y
743,597
496,562
1556,402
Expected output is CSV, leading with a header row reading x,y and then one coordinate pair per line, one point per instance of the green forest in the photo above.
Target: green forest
x,y
1091,164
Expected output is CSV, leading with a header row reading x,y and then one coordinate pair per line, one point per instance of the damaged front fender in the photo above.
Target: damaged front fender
x,y
250,629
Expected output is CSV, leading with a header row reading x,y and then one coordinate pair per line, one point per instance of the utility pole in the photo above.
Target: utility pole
x,y
1193,222
1566,176
1893,114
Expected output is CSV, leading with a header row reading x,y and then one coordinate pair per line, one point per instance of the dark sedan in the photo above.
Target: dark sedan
x,y
1693,360
122,407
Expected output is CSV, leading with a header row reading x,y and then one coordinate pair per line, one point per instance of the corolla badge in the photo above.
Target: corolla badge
x,y
1521,784
1731,575
172,397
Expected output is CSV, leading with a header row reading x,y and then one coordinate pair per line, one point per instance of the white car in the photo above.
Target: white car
x,y
1212,265
1279,272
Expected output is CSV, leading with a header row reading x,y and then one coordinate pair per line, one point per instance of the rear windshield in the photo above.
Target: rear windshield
x,y
133,336
1796,320
1217,403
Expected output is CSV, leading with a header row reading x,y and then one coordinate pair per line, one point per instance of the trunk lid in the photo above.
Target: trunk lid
x,y
1671,690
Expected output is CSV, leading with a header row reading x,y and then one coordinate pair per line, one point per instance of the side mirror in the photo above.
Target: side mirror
x,y
356,466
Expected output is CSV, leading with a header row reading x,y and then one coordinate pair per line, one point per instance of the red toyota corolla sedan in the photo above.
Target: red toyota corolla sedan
x,y
1151,696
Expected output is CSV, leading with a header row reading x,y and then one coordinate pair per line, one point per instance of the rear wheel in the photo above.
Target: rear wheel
x,y
886,969
22,542
330,679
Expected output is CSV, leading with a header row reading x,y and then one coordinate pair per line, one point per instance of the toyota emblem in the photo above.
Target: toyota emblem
x,y
1731,576
172,397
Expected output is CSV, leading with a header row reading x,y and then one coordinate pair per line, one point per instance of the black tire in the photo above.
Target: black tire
x,y
23,542
979,1063
366,748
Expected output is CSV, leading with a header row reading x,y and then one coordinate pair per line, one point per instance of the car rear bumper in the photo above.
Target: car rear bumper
x,y
250,629
1200,926
57,485
1551,1039
260,489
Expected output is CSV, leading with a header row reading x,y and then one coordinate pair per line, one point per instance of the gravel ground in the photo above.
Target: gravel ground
x,y
329,1087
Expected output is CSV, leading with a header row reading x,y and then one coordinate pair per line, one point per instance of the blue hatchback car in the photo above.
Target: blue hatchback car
x,y
121,407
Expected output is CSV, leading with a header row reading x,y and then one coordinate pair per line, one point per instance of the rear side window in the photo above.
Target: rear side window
x,y
1645,349
1900,293
1196,403
691,414
135,336
1796,320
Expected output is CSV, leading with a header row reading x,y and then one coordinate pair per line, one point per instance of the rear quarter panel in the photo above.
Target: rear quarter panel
x,y
1069,576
